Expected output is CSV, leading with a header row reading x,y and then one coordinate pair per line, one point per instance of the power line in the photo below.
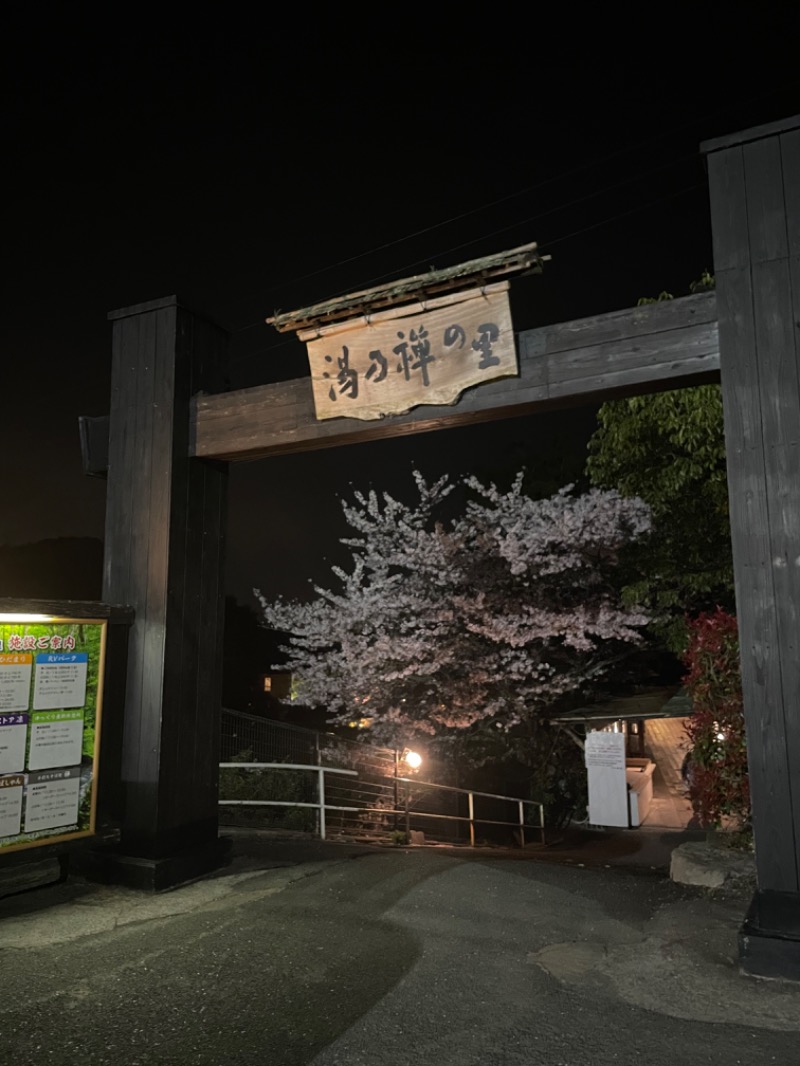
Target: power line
x,y
558,240
630,211
564,175
494,233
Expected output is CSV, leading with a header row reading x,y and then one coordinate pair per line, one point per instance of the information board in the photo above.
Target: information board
x,y
51,671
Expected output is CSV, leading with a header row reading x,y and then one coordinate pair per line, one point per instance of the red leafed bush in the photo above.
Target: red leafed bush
x,y
719,786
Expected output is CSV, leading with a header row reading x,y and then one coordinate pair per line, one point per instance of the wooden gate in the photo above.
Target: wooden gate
x,y
170,442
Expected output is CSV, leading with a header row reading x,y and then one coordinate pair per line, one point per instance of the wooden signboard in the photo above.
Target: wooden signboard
x,y
426,353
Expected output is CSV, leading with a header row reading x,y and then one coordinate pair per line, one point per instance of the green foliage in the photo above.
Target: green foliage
x,y
705,283
559,781
644,300
718,779
85,811
289,786
669,449
88,741
536,761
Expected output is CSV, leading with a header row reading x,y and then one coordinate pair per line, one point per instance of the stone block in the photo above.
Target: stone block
x,y
709,865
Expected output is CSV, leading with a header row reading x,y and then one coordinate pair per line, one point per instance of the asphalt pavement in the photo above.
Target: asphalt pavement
x,y
302,952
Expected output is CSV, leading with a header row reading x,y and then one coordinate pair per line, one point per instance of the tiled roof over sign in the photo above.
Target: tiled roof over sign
x,y
475,272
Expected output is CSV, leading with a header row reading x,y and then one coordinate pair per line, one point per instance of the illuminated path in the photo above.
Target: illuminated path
x,y
396,958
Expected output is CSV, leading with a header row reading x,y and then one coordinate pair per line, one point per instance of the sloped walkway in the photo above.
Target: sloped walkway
x,y
297,955
666,741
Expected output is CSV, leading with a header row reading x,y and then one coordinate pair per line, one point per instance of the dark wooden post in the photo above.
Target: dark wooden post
x,y
164,557
754,180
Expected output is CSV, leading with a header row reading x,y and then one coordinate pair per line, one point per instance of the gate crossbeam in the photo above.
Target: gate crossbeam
x,y
643,349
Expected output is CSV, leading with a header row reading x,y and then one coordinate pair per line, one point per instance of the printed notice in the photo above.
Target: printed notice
x,y
13,735
56,739
605,749
52,800
60,680
51,702
11,804
15,682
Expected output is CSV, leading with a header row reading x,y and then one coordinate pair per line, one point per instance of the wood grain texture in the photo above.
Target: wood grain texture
x,y
164,537
779,128
753,187
761,682
370,370
644,349
89,609
790,163
407,290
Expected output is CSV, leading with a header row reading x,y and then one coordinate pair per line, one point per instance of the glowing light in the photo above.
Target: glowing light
x,y
413,759
4,618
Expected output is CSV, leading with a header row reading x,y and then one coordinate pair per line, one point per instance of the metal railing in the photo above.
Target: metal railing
x,y
252,738
320,806
409,810
519,824
266,739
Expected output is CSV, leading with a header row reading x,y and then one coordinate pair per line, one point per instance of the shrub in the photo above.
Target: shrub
x,y
719,786
276,785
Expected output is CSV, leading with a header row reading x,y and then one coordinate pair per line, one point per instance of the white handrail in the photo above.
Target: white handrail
x,y
321,806
284,766
320,772
471,793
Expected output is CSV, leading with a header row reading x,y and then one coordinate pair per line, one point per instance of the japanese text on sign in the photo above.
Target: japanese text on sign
x,y
401,358
51,671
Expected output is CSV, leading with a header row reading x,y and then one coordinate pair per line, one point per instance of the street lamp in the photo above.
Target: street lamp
x,y
411,762
412,759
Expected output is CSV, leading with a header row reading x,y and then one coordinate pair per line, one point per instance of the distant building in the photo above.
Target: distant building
x,y
277,683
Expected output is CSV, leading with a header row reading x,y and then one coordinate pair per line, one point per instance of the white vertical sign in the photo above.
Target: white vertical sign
x,y
608,788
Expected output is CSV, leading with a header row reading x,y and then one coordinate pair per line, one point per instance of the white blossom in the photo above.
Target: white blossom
x,y
488,618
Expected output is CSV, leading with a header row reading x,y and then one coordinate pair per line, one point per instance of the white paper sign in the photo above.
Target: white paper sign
x,y
56,739
15,681
13,737
605,749
605,771
52,799
60,680
11,805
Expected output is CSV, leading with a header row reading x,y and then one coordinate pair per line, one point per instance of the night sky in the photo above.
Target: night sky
x,y
254,167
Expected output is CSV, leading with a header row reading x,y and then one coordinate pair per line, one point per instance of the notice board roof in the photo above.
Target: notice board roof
x,y
524,259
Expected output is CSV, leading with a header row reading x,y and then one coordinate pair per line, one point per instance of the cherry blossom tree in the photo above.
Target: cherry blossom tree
x,y
443,625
